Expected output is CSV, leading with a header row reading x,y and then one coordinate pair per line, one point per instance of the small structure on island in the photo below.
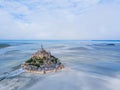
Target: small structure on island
x,y
42,62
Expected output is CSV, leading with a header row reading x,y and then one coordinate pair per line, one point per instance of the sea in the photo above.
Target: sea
x,y
89,65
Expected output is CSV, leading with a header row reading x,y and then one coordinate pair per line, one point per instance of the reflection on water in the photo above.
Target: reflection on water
x,y
90,65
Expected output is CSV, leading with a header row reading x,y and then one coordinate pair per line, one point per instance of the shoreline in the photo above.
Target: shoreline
x,y
46,71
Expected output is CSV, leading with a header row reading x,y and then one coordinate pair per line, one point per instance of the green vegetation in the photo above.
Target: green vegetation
x,y
33,62
41,59
29,61
54,60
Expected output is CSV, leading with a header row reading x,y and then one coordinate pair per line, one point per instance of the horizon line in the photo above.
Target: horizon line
x,y
58,40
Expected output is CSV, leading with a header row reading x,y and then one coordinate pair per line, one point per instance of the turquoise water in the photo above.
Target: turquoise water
x,y
91,62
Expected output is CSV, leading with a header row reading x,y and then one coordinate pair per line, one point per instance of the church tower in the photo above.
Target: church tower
x,y
42,47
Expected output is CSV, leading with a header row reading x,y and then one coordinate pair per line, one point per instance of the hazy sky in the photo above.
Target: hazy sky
x,y
60,19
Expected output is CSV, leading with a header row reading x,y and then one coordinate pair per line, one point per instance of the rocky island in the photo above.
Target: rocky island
x,y
42,62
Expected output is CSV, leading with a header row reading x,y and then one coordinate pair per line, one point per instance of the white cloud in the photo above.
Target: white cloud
x,y
65,19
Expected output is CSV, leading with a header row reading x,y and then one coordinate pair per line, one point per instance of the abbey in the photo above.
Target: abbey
x,y
42,62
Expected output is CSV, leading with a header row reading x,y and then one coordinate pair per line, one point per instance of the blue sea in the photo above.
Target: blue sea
x,y
89,65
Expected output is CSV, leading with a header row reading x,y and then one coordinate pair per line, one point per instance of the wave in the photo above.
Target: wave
x,y
11,74
78,48
15,73
104,44
12,52
4,45
60,46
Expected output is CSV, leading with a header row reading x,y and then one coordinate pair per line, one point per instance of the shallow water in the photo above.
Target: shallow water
x,y
89,65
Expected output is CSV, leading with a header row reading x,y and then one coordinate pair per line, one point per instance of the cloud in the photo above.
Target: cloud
x,y
59,19
19,9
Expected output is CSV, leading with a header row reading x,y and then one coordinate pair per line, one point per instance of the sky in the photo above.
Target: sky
x,y
60,19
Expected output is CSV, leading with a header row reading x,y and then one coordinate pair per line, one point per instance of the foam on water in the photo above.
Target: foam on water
x,y
71,79
12,74
15,73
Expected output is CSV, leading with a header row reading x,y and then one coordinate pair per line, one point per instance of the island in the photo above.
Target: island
x,y
42,62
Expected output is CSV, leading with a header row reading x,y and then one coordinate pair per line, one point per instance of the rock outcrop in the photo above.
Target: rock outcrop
x,y
42,61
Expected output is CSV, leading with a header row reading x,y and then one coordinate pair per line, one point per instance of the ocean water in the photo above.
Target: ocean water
x,y
89,65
